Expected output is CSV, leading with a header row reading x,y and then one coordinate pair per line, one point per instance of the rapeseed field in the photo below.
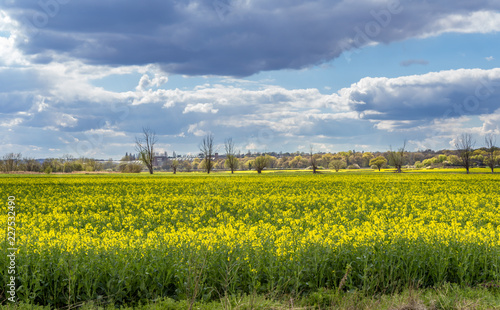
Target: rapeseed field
x,y
133,238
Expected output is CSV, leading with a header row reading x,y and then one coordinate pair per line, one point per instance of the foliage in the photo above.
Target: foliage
x,y
231,163
338,164
260,163
174,165
130,167
378,162
397,158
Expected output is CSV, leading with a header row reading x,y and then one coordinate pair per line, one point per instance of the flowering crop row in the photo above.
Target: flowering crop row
x,y
133,238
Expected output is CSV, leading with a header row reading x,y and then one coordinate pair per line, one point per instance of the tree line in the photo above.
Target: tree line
x,y
464,155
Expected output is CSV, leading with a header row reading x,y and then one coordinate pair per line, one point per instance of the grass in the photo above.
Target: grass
x,y
445,297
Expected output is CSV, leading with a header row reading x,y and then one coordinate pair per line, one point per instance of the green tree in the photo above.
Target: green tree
x,y
338,164
260,163
379,162
174,165
397,158
367,156
326,159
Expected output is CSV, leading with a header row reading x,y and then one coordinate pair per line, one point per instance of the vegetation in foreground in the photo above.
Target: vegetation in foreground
x,y
447,296
133,240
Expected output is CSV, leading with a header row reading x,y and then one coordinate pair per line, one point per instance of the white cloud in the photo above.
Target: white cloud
x,y
491,123
146,82
200,108
468,22
443,94
193,129
11,123
65,120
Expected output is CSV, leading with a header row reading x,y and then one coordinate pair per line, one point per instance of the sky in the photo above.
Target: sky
x,y
85,77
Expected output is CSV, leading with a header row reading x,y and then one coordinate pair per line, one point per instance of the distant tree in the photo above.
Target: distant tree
x,y
417,164
367,156
491,149
442,158
418,156
260,163
145,146
89,164
66,160
51,164
272,162
453,160
249,164
174,165
337,164
465,147
30,164
396,158
109,165
166,164
379,162
353,166
299,162
196,163
231,159
346,156
130,167
326,159
127,157
11,162
207,148
186,166
284,162
314,159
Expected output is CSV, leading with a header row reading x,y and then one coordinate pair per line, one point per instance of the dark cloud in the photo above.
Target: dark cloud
x,y
230,37
423,98
407,63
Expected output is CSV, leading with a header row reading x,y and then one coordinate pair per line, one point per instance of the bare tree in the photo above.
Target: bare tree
x,y
231,160
465,147
207,148
397,158
11,161
314,159
491,148
145,146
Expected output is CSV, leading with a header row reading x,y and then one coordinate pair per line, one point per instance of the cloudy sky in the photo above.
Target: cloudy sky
x,y
84,77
